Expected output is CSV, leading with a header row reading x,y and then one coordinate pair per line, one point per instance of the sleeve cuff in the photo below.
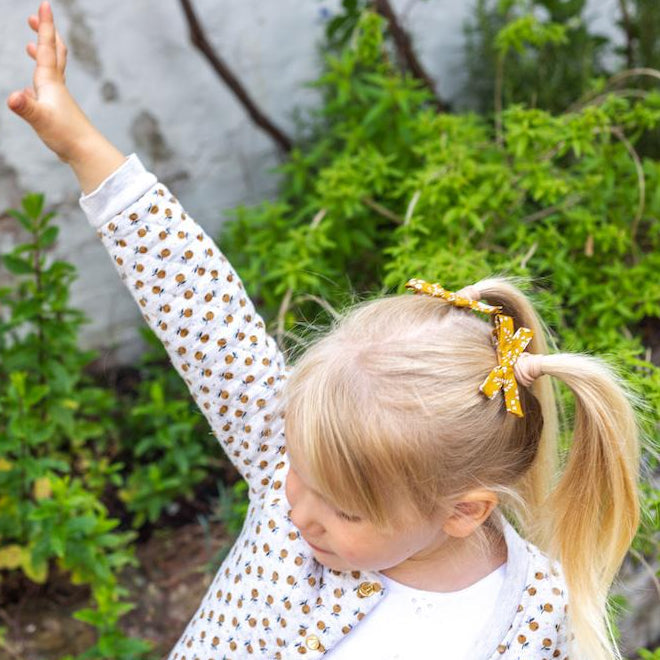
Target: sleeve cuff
x,y
123,187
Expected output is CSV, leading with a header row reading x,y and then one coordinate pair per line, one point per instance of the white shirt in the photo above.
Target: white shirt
x,y
412,624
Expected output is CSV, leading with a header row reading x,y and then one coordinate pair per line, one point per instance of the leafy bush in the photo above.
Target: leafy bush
x,y
165,438
549,73
388,189
54,427
65,447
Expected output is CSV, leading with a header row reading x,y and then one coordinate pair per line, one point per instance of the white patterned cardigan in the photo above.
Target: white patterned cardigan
x,y
270,598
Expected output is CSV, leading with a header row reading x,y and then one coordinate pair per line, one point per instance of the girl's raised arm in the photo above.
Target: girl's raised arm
x,y
186,289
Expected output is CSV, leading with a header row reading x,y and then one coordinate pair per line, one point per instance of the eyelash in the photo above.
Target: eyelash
x,y
347,517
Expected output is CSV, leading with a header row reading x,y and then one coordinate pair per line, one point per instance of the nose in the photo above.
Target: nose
x,y
303,517
304,514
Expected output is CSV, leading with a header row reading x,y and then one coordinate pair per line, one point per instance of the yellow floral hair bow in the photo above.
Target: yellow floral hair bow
x,y
508,345
436,291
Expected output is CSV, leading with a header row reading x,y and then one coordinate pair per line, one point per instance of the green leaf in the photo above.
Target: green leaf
x,y
16,265
48,237
25,221
33,205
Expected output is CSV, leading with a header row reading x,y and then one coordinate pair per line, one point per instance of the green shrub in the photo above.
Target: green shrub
x,y
54,429
388,189
165,437
539,72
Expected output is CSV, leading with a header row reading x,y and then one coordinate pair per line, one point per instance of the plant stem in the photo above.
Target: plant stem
x,y
499,83
406,52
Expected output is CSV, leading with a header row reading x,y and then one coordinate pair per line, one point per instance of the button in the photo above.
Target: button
x,y
312,643
367,589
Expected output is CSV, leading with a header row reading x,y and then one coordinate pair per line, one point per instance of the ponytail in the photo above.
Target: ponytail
x,y
587,515
594,508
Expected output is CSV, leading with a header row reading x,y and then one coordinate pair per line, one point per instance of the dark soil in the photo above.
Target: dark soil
x,y
176,567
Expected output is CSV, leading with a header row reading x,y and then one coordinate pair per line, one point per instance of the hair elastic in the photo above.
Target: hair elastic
x,y
528,368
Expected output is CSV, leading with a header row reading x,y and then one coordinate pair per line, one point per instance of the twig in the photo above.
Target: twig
x,y
293,337
597,100
411,207
529,255
614,80
316,220
7,646
628,29
406,52
641,179
499,83
281,314
382,210
638,555
200,41
544,213
631,73
280,333
320,302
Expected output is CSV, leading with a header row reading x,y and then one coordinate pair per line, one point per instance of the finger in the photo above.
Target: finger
x,y
24,105
33,22
46,46
62,52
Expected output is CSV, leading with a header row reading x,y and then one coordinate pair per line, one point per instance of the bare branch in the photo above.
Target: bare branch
x,y
631,73
406,52
200,41
594,97
629,30
382,210
529,254
641,179
624,92
281,315
499,100
411,206
544,213
649,569
321,302
285,305
316,221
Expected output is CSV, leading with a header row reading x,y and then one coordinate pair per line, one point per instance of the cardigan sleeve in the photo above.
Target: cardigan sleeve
x,y
193,300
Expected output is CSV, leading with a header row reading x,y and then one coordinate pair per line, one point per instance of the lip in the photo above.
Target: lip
x,y
315,547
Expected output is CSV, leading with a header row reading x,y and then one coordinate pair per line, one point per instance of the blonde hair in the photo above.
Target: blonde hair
x,y
386,410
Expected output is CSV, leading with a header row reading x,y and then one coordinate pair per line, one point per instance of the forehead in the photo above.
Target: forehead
x,y
298,465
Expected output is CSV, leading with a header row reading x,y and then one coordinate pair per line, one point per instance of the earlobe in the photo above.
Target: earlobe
x,y
469,512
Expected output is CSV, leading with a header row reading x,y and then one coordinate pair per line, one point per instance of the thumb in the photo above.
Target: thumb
x,y
24,104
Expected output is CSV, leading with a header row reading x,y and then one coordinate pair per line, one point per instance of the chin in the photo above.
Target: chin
x,y
331,561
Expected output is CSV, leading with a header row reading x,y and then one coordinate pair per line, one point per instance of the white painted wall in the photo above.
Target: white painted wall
x,y
136,75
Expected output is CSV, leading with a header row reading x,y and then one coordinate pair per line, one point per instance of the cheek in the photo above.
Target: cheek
x,y
290,489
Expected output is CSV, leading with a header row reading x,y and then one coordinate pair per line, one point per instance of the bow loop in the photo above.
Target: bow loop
x,y
509,347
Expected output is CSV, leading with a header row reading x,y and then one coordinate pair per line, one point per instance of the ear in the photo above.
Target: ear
x,y
470,511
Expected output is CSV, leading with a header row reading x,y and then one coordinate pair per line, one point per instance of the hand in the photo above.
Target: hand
x,y
49,107
54,114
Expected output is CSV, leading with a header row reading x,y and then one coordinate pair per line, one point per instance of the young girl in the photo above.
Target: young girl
x,y
377,528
